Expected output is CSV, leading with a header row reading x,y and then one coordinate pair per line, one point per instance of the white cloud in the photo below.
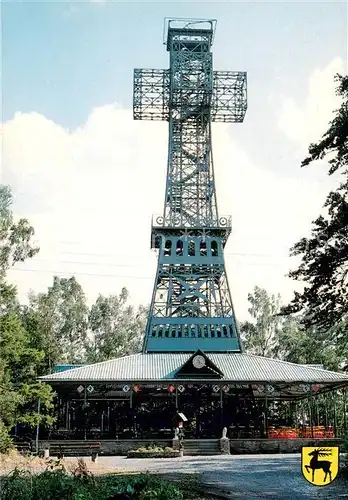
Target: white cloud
x,y
90,194
305,122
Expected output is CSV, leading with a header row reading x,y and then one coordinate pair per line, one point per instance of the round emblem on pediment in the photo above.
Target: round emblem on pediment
x,y
198,361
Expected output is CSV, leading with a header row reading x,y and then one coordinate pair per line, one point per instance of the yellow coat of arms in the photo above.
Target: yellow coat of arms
x,y
320,465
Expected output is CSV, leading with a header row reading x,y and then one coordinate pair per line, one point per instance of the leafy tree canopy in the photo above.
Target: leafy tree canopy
x,y
273,335
324,267
57,322
19,390
16,243
260,334
116,328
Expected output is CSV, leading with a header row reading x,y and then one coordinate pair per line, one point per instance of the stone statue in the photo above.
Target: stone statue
x,y
176,433
224,433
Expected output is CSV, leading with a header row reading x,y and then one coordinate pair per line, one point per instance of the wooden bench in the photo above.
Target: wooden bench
x,y
23,447
75,449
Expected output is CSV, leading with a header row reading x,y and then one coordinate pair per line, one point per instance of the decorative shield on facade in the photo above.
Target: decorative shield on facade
x,y
126,388
320,465
181,388
315,388
90,389
225,388
216,388
136,388
304,387
260,388
171,388
269,389
80,388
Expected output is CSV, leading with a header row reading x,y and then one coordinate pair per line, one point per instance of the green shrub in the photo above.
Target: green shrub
x,y
57,484
5,440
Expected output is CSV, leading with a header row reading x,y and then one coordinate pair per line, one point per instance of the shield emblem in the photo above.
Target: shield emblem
x,y
320,464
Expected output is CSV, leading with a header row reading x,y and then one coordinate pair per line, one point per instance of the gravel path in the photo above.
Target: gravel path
x,y
246,477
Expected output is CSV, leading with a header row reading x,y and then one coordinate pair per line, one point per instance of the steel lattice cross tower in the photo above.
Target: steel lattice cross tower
x,y
191,306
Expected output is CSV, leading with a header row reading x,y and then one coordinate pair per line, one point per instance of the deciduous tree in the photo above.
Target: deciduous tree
x,y
57,322
116,328
260,334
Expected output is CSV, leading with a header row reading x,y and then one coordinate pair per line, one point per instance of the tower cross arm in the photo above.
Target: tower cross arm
x,y
151,94
229,98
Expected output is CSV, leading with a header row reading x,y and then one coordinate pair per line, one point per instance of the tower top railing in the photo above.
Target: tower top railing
x,y
191,27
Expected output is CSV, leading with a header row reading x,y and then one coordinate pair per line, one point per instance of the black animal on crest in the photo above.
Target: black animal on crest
x,y
316,464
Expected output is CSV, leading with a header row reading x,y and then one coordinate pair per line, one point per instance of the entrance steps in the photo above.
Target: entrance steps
x,y
201,447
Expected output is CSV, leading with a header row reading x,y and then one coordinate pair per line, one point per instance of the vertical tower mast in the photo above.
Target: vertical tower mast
x,y
191,305
190,191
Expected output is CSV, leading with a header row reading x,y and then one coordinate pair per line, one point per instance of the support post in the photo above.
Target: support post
x,y
326,413
266,416
310,413
37,427
67,415
85,405
345,411
334,414
221,408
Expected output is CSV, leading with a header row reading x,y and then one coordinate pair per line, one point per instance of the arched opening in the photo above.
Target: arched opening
x,y
203,248
179,247
168,248
191,248
214,248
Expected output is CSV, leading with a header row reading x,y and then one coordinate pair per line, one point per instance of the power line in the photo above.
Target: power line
x,y
233,254
50,271
107,275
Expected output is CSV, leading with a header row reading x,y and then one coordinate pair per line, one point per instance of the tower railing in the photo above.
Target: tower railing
x,y
223,222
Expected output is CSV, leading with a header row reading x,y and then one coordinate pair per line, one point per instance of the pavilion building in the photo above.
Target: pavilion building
x,y
192,361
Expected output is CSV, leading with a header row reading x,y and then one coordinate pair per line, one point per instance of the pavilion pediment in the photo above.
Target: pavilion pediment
x,y
199,365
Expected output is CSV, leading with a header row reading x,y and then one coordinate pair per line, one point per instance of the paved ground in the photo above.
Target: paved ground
x,y
240,477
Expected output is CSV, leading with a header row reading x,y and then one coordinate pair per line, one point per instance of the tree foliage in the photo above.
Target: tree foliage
x,y
273,335
16,243
260,334
57,322
116,328
19,361
324,267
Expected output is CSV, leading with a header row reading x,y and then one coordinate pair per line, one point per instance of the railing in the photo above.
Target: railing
x,y
223,222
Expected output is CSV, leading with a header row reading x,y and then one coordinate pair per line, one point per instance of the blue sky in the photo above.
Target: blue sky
x,y
66,64
62,59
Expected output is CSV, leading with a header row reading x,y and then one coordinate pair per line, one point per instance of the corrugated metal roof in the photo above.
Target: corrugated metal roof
x,y
236,367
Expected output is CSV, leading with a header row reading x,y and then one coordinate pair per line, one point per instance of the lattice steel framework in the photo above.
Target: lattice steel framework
x,y
191,306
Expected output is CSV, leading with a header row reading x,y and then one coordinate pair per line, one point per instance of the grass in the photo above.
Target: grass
x,y
78,483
